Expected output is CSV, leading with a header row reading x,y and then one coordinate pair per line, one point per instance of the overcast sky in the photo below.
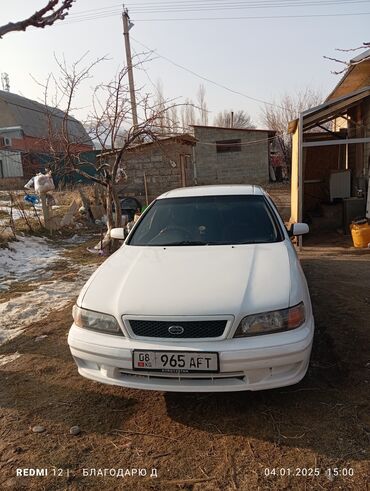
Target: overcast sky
x,y
261,57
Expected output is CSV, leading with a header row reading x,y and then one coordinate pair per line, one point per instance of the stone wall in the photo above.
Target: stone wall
x,y
250,165
161,163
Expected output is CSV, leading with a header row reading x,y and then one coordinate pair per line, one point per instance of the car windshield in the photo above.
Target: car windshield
x,y
207,220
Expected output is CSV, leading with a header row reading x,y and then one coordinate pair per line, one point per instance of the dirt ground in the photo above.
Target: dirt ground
x,y
200,441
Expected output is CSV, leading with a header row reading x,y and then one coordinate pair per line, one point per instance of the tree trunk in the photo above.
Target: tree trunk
x,y
110,223
117,205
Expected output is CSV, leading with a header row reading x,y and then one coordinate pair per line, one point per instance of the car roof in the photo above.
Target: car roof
x,y
216,190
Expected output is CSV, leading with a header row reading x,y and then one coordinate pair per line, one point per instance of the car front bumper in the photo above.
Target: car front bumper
x,y
255,363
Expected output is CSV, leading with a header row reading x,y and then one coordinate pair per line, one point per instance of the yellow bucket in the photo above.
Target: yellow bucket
x,y
360,234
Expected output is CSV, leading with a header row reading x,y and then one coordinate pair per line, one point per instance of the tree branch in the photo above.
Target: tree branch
x,y
364,46
41,18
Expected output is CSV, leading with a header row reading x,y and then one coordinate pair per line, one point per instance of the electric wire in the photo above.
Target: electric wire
x,y
255,99
214,5
183,6
255,17
232,6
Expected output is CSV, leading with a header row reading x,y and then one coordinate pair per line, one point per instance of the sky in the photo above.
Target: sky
x,y
279,51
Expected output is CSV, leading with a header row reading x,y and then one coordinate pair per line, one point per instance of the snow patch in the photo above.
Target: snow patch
x,y
26,258
6,335
38,304
29,212
4,359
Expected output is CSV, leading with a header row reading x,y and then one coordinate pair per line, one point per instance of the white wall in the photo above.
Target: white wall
x,y
10,164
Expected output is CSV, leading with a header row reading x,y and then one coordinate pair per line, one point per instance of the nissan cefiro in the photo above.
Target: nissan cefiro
x,y
206,294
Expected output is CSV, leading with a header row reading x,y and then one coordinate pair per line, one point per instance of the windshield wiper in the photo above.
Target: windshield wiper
x,y
185,243
252,242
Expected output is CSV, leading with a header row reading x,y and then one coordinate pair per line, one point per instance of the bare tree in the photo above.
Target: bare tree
x,y
188,116
54,10
174,116
110,124
202,104
233,119
170,122
161,123
277,116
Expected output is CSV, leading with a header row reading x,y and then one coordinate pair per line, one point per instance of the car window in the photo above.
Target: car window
x,y
207,220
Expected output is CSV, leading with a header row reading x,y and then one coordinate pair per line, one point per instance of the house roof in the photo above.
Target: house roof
x,y
361,57
232,129
356,77
33,118
329,109
182,138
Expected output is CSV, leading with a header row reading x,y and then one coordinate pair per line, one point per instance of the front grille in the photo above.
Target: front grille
x,y
168,329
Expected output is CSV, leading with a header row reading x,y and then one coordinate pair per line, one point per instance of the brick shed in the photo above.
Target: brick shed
x,y
166,163
232,155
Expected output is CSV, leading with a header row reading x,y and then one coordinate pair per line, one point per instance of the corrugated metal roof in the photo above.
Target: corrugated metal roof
x,y
33,117
361,57
331,108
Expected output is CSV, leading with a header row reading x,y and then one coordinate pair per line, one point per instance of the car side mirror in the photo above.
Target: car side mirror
x,y
117,233
298,229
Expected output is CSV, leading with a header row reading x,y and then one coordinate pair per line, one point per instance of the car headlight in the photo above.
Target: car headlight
x,y
270,322
96,321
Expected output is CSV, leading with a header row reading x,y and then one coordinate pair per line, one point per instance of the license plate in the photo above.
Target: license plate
x,y
175,361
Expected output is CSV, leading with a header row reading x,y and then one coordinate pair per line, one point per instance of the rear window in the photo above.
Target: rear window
x,y
208,220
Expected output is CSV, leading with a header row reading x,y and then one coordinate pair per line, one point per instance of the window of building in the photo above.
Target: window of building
x,y
226,146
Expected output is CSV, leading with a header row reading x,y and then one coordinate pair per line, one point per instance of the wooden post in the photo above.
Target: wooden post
x,y
300,176
182,170
146,190
45,210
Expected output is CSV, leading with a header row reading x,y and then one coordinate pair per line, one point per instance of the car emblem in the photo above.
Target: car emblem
x,y
176,330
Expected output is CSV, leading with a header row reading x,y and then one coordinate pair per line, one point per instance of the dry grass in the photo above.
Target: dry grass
x,y
32,222
65,197
12,183
80,255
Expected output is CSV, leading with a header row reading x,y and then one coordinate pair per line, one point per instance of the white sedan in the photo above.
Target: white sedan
x,y
206,294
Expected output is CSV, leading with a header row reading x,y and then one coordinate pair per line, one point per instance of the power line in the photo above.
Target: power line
x,y
238,6
246,2
205,78
208,79
141,63
207,5
215,5
180,19
257,17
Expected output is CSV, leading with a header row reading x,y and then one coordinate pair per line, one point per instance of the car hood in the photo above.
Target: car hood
x,y
191,280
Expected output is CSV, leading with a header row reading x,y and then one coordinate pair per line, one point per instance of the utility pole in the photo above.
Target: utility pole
x,y
126,27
